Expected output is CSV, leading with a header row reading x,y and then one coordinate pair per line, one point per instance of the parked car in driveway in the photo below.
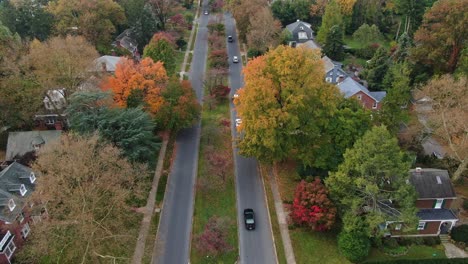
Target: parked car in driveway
x,y
249,219
235,59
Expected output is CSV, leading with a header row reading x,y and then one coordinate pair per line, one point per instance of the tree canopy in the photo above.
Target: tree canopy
x,y
442,36
264,30
285,105
332,17
374,172
333,47
161,48
147,77
376,69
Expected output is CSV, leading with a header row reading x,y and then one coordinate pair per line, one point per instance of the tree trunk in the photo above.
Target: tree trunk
x,y
461,168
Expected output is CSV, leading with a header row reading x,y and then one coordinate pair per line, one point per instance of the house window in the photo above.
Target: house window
x,y
302,35
25,231
32,177
50,121
11,205
421,225
374,105
23,190
398,227
10,249
359,97
438,204
20,218
328,79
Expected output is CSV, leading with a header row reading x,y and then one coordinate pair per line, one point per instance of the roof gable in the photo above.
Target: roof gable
x,y
432,183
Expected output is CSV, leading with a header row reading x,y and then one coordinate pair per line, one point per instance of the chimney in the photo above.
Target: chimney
x,y
340,78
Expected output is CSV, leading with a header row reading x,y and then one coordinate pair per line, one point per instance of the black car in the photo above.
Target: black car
x,y
230,39
249,219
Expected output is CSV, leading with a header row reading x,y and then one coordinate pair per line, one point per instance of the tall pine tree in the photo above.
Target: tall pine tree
x,y
333,47
331,18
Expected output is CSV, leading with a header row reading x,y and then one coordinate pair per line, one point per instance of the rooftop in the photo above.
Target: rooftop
x,y
432,183
436,214
19,143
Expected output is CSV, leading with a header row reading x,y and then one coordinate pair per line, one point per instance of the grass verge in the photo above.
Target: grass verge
x,y
274,219
215,196
414,252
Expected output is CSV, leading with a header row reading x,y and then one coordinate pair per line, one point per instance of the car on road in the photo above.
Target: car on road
x,y
235,59
238,122
230,39
206,12
236,95
249,219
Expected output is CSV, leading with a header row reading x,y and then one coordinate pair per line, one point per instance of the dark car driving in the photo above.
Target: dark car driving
x,y
249,219
230,39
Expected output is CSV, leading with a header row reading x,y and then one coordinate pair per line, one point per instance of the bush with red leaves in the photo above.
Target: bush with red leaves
x,y
213,239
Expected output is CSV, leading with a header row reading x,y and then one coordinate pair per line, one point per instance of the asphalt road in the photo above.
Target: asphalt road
x,y
255,246
173,239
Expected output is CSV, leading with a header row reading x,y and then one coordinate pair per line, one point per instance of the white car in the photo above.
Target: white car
x,y
238,122
235,59
236,95
206,12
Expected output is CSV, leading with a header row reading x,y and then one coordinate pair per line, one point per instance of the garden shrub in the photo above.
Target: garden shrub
x,y
465,204
460,233
390,242
431,241
354,246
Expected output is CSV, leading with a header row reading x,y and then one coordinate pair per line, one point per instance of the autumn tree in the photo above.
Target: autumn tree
x,y
264,30
85,185
333,47
163,9
213,239
95,20
28,18
374,171
332,17
442,36
311,206
376,69
147,77
243,12
284,91
161,48
447,120
180,108
61,62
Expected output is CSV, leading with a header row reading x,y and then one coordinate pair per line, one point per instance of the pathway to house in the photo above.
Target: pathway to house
x,y
283,225
451,251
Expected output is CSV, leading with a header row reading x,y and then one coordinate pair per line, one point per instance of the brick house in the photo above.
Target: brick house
x,y
17,182
435,198
352,89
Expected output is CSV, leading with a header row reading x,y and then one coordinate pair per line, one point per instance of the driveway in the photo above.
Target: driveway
x,y
255,246
174,235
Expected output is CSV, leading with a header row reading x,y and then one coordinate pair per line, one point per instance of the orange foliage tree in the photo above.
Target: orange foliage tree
x,y
147,79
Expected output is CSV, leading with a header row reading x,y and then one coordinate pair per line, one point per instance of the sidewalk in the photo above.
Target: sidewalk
x,y
451,251
283,225
149,208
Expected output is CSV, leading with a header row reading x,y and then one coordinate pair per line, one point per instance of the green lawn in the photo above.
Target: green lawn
x,y
315,247
215,197
414,252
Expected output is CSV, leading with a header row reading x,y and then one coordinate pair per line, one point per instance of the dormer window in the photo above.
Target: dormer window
x,y
32,177
328,79
23,190
37,146
302,35
11,205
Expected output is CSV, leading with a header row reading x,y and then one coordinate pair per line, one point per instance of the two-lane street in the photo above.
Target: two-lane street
x,y
173,239
255,246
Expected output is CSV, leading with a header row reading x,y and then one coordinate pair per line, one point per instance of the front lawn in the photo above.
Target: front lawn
x,y
414,252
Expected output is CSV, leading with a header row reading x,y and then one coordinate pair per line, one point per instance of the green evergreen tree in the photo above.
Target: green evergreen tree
x,y
331,18
404,44
333,47
376,69
374,171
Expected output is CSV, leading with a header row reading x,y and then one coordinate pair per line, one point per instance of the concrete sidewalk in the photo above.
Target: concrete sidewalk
x,y
283,225
451,251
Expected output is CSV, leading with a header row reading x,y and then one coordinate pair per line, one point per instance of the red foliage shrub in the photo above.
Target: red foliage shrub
x,y
220,91
311,206
213,239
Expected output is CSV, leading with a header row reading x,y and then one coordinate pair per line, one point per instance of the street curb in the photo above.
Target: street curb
x,y
268,211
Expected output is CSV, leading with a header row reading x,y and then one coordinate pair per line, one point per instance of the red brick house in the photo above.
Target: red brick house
x,y
435,198
17,182
352,89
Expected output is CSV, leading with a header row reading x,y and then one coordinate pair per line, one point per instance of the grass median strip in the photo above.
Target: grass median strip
x,y
215,202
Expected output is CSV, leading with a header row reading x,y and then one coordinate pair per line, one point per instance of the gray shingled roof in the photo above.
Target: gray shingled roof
x,y
20,143
109,61
436,214
296,24
427,186
5,214
309,44
350,87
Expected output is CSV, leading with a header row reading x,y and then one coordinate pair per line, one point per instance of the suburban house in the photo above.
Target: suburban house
x,y
352,89
105,64
16,184
52,116
435,197
20,143
302,34
127,41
